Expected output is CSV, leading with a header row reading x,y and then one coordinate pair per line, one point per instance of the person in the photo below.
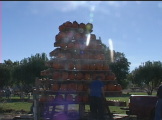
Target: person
x,y
96,95
158,107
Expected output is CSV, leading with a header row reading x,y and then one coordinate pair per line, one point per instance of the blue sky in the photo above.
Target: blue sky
x,y
135,27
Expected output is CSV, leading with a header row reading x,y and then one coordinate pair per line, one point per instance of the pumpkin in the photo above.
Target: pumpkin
x,y
61,28
77,36
70,45
99,66
68,24
72,86
82,25
85,98
56,65
87,76
61,55
79,76
69,98
85,66
56,75
85,87
71,76
55,87
63,87
68,55
43,99
78,66
78,98
80,87
118,87
105,88
110,87
63,45
105,67
59,98
64,75
89,26
75,24
92,66
76,56
93,37
51,98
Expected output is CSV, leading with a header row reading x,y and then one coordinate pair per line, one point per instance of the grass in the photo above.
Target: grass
x,y
18,106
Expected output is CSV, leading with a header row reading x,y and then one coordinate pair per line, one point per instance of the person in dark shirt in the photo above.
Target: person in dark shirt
x,y
96,95
158,107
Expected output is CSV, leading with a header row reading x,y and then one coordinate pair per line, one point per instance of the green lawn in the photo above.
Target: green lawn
x,y
17,106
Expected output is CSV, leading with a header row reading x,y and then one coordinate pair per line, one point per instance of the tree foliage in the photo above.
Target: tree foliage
x,y
148,75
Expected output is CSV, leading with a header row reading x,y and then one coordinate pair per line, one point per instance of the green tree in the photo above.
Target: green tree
x,y
148,76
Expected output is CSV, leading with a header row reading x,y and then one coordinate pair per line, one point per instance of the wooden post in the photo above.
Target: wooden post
x,y
36,100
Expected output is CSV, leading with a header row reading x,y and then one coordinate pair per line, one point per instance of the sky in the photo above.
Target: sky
x,y
30,27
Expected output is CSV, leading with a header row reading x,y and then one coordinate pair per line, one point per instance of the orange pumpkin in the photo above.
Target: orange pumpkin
x,y
43,99
69,98
71,76
80,87
79,76
55,87
63,87
61,28
99,66
82,25
118,87
59,98
64,75
56,75
70,45
51,98
75,24
72,86
77,36
85,98
110,87
87,76
105,67
78,98
68,24
92,66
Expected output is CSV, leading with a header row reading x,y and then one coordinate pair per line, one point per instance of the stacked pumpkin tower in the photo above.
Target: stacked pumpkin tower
x,y
77,59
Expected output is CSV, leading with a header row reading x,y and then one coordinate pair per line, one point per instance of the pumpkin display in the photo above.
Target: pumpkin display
x,y
78,59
